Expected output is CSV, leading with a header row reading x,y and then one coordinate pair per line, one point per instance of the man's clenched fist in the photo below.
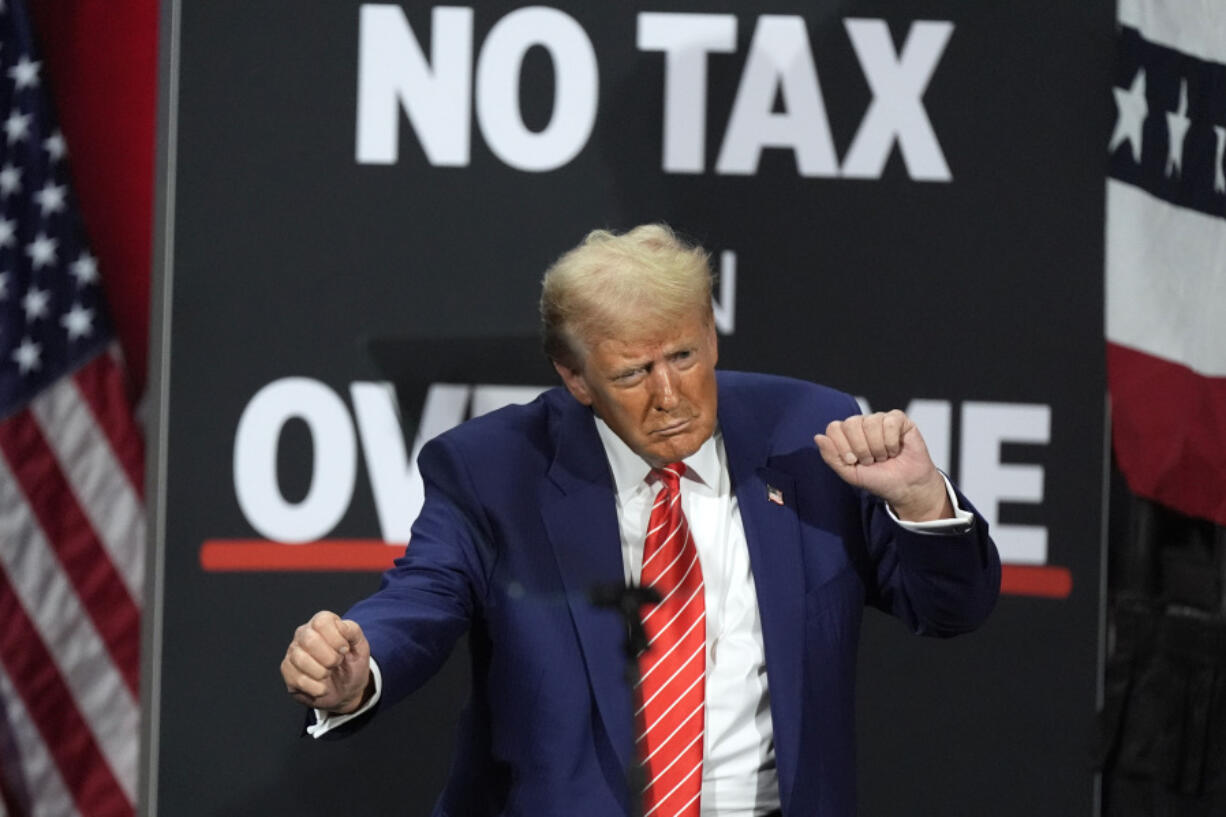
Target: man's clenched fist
x,y
884,453
327,665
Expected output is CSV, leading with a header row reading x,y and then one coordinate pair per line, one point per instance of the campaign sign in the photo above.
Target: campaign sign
x,y
357,203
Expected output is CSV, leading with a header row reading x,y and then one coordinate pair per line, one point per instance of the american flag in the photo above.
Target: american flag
x,y
1166,254
72,535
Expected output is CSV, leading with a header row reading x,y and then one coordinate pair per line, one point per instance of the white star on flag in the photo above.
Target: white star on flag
x,y
8,232
1132,112
1177,126
79,321
42,251
25,73
10,181
17,127
35,304
85,269
51,198
27,355
55,146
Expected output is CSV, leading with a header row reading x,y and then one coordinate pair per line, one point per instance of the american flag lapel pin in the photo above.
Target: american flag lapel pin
x,y
774,494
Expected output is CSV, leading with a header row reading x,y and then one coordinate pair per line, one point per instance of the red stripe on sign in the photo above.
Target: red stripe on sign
x,y
1045,581
230,555
256,555
76,544
1168,427
51,707
101,384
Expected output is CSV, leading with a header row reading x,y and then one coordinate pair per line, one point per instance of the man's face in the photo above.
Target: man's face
x,y
655,390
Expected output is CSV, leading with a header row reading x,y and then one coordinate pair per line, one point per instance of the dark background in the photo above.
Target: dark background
x,y
289,257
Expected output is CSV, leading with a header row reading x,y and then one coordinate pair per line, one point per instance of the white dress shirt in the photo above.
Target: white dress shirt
x,y
738,767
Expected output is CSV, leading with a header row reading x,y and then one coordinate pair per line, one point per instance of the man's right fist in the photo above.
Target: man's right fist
x,y
327,665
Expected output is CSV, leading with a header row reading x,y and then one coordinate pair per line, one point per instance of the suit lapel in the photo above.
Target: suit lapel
x,y
581,518
772,533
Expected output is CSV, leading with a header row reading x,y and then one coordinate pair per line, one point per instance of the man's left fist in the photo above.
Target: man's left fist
x,y
884,453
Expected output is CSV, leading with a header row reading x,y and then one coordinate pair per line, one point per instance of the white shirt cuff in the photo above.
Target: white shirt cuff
x,y
325,722
961,519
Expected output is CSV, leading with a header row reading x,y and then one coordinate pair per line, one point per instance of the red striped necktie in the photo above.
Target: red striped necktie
x,y
671,694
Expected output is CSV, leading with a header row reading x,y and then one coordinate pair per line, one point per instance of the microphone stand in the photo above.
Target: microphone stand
x,y
628,600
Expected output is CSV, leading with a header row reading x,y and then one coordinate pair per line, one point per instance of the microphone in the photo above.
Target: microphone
x,y
627,599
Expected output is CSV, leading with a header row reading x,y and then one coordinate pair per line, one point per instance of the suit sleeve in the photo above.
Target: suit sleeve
x,y
429,598
940,583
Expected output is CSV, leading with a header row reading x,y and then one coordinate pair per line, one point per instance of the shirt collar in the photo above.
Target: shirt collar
x,y
630,470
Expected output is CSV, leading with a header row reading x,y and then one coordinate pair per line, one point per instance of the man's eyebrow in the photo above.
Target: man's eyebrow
x,y
630,368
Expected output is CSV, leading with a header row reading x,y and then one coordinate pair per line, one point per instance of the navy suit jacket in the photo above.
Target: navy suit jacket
x,y
519,524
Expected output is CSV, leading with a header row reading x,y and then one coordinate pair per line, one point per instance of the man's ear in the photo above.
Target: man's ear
x,y
575,383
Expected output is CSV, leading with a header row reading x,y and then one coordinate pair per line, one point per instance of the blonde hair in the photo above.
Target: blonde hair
x,y
613,284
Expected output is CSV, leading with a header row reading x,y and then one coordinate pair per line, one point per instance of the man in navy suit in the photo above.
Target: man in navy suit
x,y
530,508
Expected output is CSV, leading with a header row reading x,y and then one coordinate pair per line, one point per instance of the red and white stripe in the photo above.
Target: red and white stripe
x,y
1166,306
671,715
41,775
72,542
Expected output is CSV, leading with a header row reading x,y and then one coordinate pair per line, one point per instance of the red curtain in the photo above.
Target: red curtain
x,y
101,70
